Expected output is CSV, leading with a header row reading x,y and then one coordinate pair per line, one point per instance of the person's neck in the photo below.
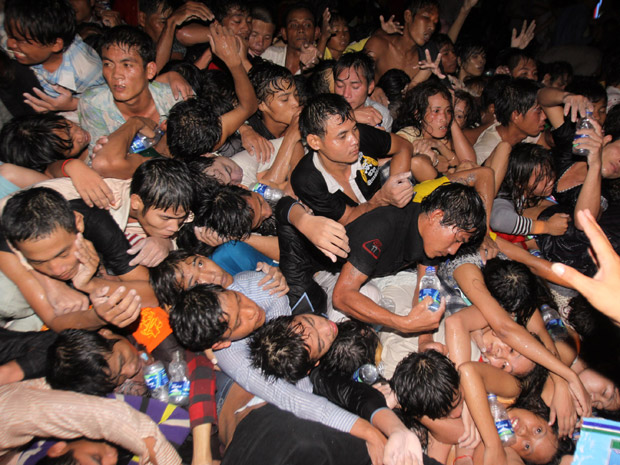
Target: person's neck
x,y
336,54
405,42
336,169
274,127
141,105
53,62
463,74
292,59
511,134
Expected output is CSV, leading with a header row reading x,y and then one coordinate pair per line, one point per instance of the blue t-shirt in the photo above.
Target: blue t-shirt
x,y
236,256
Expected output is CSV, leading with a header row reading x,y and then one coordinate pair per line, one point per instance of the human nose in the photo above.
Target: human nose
x,y
11,43
453,249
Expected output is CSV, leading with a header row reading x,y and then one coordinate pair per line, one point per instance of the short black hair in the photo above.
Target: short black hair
x,y
462,208
314,116
493,89
163,277
511,57
361,62
514,287
466,49
222,8
442,39
472,114
425,384
194,129
355,345
77,362
557,69
278,349
164,183
225,210
35,141
65,459
36,213
41,21
197,319
416,102
262,13
268,78
149,7
517,95
318,82
128,37
418,5
612,123
588,87
299,6
393,83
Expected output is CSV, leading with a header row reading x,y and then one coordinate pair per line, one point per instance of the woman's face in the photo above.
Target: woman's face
x,y
540,187
499,354
474,64
460,112
603,391
438,117
536,441
448,59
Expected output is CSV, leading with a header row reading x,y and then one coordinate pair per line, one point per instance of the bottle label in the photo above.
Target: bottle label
x,y
179,388
356,376
138,143
554,323
156,379
504,429
260,188
433,294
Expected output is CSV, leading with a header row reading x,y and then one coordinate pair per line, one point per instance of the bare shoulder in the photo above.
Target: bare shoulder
x,y
377,44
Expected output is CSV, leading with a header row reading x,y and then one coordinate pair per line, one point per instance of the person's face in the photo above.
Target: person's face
x,y
440,240
261,36
239,22
225,171
243,315
340,36
457,405
560,82
158,222
536,442
499,354
526,68
533,122
87,452
124,362
125,73
52,255
610,168
448,58
540,187
80,139
599,112
317,332
341,142
154,23
27,51
460,112
283,105
603,392
353,86
438,117
198,269
262,210
83,9
299,29
422,25
474,64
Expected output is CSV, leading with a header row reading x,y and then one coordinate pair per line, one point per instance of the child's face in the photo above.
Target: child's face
x,y
29,52
125,73
526,68
341,36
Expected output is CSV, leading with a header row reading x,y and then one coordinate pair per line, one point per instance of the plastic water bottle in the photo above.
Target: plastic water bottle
x,y
502,421
141,142
368,373
582,123
156,378
429,286
178,389
554,324
268,192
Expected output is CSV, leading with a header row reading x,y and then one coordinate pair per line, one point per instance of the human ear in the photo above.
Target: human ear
x,y
135,202
59,44
408,16
151,70
57,449
79,221
141,19
314,141
221,345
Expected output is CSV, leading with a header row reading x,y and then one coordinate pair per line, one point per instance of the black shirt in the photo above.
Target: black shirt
x,y
386,240
310,186
105,234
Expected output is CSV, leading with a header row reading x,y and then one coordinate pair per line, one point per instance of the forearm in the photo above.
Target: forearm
x,y
113,160
462,148
244,90
352,213
356,305
164,45
402,151
590,194
457,340
551,96
267,245
279,173
142,288
446,430
498,162
457,25
192,34
202,445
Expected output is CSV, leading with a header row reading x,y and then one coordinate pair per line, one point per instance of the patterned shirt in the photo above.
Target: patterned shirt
x,y
298,399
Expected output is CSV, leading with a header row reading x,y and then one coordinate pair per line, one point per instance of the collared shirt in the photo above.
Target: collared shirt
x,y
298,398
100,116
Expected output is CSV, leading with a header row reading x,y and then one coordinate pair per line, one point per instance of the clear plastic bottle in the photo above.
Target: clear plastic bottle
x,y
554,324
156,378
178,389
268,192
429,286
141,142
502,421
582,123
368,373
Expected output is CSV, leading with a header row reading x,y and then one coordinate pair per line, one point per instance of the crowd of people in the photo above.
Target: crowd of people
x,y
254,192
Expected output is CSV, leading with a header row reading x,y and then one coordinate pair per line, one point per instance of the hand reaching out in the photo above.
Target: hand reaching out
x,y
390,26
431,65
525,36
88,263
274,281
309,56
121,308
43,103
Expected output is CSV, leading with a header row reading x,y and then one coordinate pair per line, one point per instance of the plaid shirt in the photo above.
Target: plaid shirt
x,y
202,389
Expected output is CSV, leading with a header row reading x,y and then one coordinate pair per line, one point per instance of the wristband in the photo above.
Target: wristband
x,y
463,457
62,167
